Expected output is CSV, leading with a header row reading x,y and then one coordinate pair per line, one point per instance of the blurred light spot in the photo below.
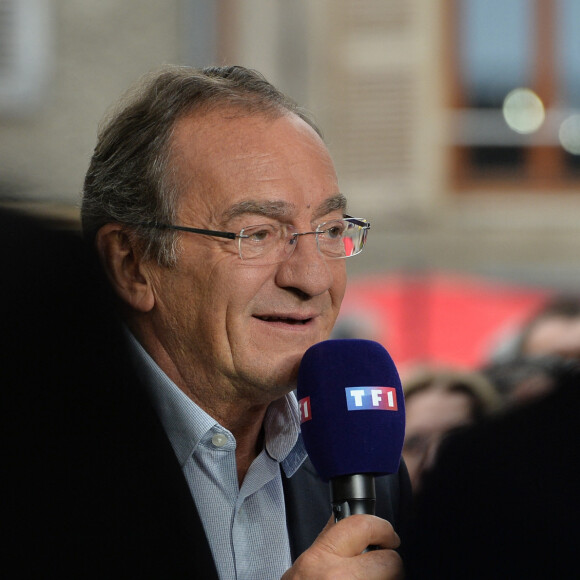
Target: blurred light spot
x,y
523,111
569,134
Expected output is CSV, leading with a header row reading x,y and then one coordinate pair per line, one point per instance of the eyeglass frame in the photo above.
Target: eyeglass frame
x,y
361,222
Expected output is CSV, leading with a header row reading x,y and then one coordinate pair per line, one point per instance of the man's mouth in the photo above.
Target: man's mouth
x,y
284,319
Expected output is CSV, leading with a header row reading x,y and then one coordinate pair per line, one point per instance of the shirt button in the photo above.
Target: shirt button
x,y
219,440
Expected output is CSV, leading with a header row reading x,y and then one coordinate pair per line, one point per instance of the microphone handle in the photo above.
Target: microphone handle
x,y
352,494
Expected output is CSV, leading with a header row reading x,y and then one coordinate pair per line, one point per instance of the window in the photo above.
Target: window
x,y
515,93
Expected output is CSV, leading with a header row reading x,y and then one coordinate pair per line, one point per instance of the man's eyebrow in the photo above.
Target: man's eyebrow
x,y
271,209
334,203
281,209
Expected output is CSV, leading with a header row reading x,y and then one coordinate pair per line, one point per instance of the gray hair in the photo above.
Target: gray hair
x,y
129,180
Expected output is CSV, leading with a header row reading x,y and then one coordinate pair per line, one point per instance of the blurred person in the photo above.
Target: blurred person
x,y
525,367
70,457
214,207
436,402
523,378
553,331
502,499
357,326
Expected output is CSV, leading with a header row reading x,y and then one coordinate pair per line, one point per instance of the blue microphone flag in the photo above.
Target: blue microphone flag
x,y
352,408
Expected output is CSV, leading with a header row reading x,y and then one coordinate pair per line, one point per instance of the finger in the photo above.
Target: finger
x,y
329,524
354,534
378,564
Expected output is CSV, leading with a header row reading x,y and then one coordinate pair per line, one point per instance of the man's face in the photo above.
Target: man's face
x,y
228,323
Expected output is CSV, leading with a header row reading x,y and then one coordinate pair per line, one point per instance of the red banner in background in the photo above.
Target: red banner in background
x,y
436,318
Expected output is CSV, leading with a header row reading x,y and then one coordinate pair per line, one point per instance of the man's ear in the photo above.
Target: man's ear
x,y
124,267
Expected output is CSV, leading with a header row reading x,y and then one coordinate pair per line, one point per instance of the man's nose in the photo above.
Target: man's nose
x,y
306,268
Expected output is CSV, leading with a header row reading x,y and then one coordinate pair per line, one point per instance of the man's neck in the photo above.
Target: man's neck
x,y
246,425
244,419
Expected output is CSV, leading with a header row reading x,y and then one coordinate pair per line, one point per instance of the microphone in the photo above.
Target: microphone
x,y
352,414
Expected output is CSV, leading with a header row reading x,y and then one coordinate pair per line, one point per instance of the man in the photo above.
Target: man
x,y
215,210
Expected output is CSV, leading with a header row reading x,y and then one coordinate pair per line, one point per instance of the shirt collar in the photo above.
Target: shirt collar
x,y
186,423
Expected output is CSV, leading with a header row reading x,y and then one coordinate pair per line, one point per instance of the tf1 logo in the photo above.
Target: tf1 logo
x,y
358,399
305,411
371,399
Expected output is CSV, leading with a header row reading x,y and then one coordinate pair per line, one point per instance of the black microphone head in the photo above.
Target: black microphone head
x,y
352,408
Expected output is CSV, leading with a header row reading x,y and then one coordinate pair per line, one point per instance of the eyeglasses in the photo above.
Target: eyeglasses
x,y
273,243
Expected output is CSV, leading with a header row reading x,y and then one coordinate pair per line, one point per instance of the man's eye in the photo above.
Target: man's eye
x,y
260,235
334,232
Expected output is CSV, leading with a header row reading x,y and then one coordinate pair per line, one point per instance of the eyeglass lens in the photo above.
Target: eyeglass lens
x,y
270,243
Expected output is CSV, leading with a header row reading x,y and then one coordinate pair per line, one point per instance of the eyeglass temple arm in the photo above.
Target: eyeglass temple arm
x,y
228,235
358,221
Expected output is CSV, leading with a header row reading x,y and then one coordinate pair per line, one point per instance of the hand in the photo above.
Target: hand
x,y
338,552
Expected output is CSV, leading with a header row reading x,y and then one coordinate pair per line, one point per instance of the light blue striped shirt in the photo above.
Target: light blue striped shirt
x,y
245,527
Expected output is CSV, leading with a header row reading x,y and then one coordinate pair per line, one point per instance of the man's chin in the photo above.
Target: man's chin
x,y
275,370
276,375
